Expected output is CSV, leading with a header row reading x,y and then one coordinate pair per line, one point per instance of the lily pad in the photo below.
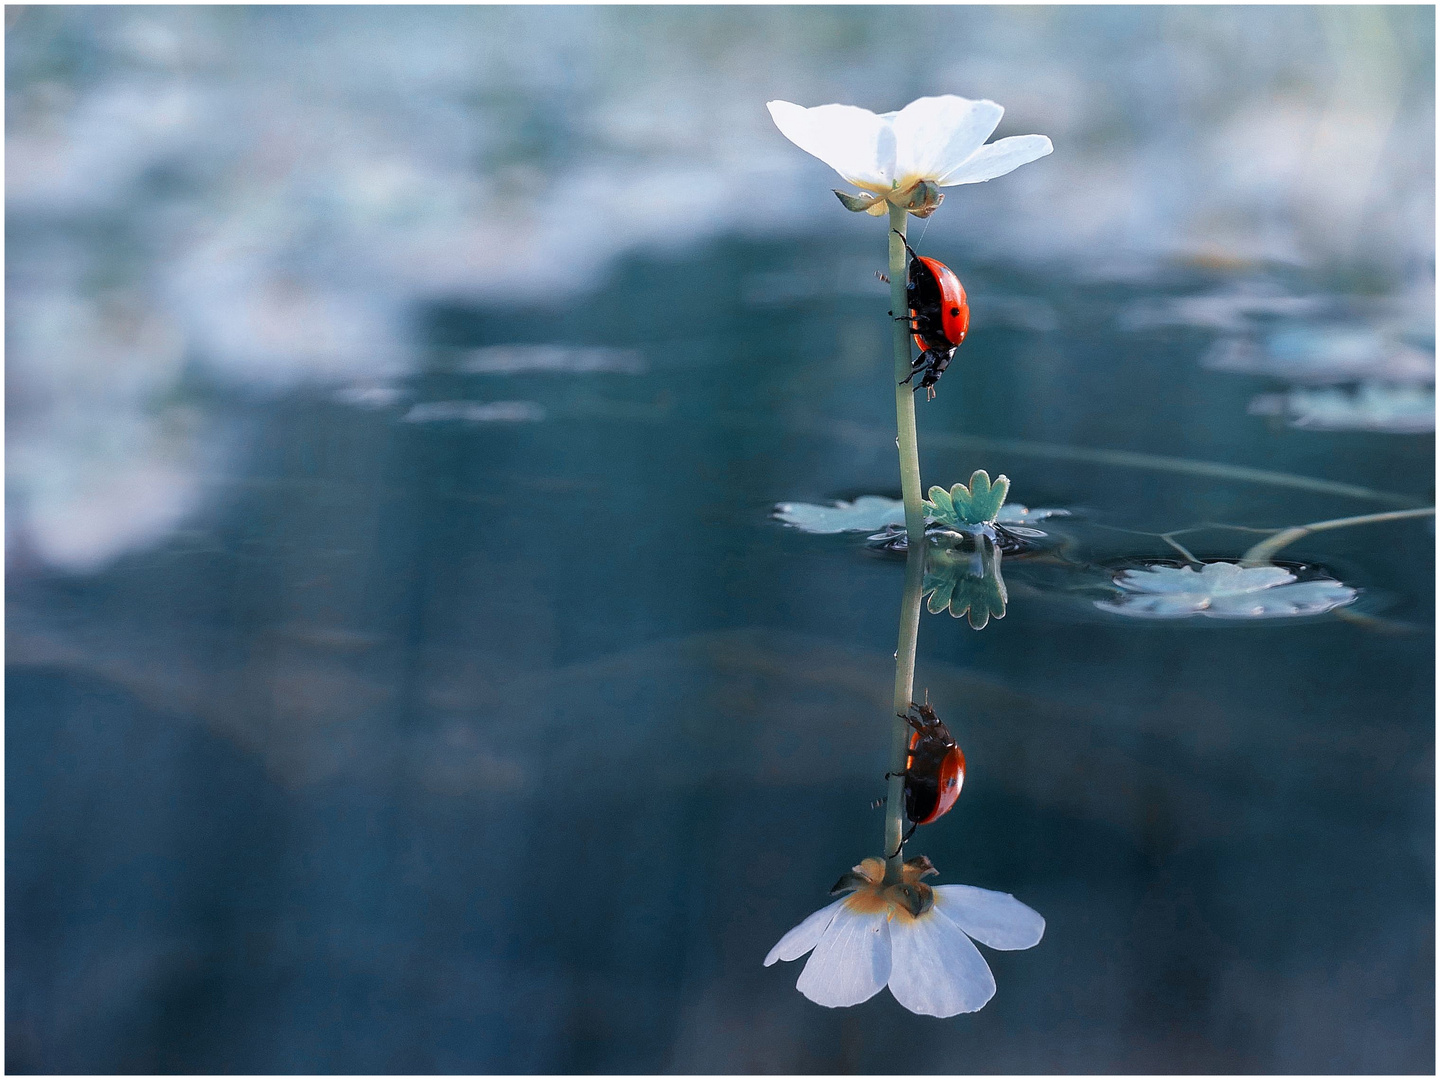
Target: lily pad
x,y
871,513
868,513
1224,590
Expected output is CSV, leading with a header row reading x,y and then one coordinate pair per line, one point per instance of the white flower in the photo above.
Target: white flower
x,y
1222,590
939,140
908,936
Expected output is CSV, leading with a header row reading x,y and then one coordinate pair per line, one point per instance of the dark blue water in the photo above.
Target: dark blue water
x,y
513,746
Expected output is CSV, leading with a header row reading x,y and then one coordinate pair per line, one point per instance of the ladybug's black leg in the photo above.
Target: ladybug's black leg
x,y
904,840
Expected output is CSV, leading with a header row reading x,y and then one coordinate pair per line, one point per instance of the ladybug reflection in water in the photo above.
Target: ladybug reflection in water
x,y
939,317
934,770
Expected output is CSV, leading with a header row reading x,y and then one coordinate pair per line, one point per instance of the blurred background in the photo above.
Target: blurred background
x,y
404,673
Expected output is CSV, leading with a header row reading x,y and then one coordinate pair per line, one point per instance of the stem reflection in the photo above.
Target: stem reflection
x,y
899,705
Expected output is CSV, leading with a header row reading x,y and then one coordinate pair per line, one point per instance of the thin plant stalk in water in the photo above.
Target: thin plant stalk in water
x,y
891,929
905,437
900,704
1267,549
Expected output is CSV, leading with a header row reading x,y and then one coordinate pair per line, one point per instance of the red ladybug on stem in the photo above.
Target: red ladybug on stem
x,y
934,769
939,317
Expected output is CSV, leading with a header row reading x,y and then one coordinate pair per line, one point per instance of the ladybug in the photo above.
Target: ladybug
x,y
939,317
934,769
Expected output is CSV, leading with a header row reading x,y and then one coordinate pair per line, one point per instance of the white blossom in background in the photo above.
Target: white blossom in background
x,y
909,936
937,141
1223,590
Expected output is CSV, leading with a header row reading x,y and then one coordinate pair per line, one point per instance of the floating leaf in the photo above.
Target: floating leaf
x,y
868,513
871,513
1223,590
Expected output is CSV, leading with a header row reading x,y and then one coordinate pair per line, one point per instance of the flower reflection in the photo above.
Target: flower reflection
x,y
962,573
1223,590
909,936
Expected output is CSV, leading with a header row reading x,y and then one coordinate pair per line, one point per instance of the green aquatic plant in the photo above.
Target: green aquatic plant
x,y
1266,550
977,504
892,929
872,513
900,160
965,580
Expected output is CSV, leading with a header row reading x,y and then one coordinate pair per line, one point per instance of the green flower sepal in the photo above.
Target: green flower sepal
x,y
962,506
922,200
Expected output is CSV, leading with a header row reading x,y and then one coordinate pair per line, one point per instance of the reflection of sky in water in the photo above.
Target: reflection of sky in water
x,y
328,673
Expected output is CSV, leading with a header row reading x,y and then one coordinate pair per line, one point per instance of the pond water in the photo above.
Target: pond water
x,y
483,737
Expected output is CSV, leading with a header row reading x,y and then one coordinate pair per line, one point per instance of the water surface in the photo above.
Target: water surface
x,y
510,740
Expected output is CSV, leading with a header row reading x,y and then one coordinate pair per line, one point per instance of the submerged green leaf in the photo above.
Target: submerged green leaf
x,y
964,578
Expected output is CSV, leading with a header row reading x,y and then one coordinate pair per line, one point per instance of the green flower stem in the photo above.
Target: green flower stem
x,y
904,393
1264,551
900,704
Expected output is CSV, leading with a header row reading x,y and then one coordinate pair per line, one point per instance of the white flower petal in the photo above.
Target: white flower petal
x,y
997,159
936,970
934,135
856,143
851,963
804,937
992,918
